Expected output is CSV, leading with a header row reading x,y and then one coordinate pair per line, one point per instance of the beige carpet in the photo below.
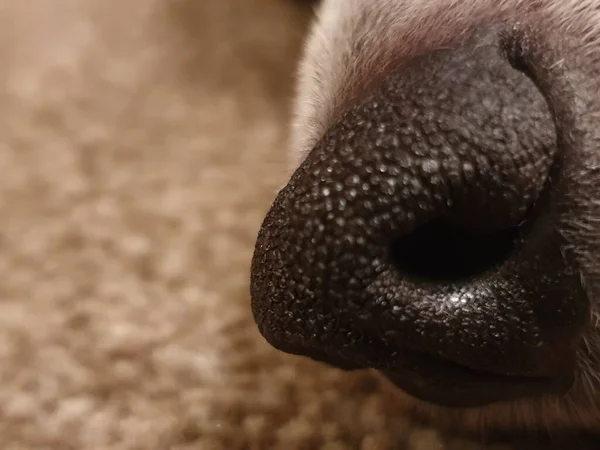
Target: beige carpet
x,y
141,143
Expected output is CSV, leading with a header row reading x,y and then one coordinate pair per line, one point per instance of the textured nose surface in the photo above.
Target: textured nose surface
x,y
413,230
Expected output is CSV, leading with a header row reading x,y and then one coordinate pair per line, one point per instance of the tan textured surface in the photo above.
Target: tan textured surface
x,y
140,142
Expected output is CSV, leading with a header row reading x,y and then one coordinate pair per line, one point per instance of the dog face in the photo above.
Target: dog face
x,y
442,223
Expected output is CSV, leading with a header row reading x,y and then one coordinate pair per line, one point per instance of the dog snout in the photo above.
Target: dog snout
x,y
415,239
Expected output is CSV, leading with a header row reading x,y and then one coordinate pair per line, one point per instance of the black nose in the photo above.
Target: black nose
x,y
415,239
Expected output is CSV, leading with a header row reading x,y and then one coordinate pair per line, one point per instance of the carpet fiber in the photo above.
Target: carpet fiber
x,y
141,143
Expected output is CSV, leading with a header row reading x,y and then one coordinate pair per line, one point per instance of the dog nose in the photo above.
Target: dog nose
x,y
416,238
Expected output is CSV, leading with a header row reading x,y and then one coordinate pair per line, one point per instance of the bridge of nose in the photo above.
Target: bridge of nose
x,y
456,134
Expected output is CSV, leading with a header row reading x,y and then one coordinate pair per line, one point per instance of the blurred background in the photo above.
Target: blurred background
x,y
141,143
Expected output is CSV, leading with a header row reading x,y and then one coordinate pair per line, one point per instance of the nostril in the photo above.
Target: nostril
x,y
440,251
